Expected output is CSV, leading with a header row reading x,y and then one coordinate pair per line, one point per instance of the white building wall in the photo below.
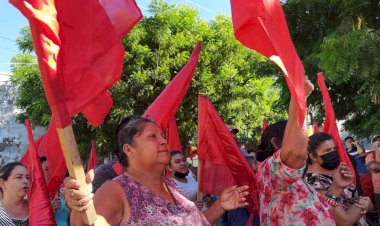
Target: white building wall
x,y
13,136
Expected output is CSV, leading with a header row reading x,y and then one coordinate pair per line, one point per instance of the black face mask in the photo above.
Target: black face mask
x,y
181,175
330,160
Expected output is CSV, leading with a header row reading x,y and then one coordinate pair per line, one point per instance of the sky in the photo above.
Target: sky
x,y
11,21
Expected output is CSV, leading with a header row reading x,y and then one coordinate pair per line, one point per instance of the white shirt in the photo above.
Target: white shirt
x,y
190,188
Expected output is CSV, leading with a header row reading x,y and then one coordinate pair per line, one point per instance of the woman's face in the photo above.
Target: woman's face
x,y
324,148
149,147
17,184
178,163
45,170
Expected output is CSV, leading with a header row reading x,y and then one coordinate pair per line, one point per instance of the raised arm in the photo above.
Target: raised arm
x,y
294,144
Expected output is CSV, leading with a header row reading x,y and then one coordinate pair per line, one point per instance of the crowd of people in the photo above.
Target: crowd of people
x,y
301,181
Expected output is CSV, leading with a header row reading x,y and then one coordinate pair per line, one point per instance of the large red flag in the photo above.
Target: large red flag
x,y
260,25
79,52
92,158
330,126
80,57
163,109
222,163
40,209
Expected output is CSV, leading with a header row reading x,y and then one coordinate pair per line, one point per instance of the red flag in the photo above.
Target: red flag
x,y
315,128
49,145
80,57
40,209
260,25
79,52
222,163
265,125
92,159
172,136
330,126
163,109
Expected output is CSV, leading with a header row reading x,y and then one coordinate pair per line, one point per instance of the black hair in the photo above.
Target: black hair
x,y
173,153
125,132
349,138
265,148
316,140
43,159
7,169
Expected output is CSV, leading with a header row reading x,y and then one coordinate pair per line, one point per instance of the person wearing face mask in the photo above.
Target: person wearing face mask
x,y
179,168
323,169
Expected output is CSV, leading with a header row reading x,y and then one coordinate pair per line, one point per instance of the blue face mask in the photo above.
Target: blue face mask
x,y
330,160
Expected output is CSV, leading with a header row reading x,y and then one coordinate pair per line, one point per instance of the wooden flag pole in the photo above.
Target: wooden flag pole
x,y
75,168
199,174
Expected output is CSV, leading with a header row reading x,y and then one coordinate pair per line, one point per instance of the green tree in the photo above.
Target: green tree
x,y
238,81
341,38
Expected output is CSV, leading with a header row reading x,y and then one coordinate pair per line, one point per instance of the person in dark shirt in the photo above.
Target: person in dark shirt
x,y
103,173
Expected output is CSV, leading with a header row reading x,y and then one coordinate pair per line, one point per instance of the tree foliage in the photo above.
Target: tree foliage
x,y
341,38
238,81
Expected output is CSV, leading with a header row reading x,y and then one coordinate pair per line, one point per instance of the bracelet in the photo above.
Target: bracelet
x,y
331,202
331,196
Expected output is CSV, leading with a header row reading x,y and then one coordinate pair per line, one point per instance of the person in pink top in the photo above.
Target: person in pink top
x,y
373,164
285,198
142,195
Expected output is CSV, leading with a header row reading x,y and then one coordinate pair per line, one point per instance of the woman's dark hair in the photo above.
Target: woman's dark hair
x,y
265,148
173,153
7,169
315,140
125,132
43,159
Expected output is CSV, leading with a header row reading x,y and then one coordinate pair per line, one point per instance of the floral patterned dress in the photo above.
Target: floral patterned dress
x,y
285,199
150,209
323,182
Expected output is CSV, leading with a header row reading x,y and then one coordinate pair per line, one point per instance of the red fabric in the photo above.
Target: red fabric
x,y
79,52
92,159
49,145
215,178
220,156
265,125
25,158
119,169
163,109
260,25
330,126
172,136
315,128
40,209
367,186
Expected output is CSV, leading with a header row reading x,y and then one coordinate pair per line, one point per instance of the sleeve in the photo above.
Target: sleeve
x,y
281,175
5,220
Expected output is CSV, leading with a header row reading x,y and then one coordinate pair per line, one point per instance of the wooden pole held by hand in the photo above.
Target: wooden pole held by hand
x,y
75,168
